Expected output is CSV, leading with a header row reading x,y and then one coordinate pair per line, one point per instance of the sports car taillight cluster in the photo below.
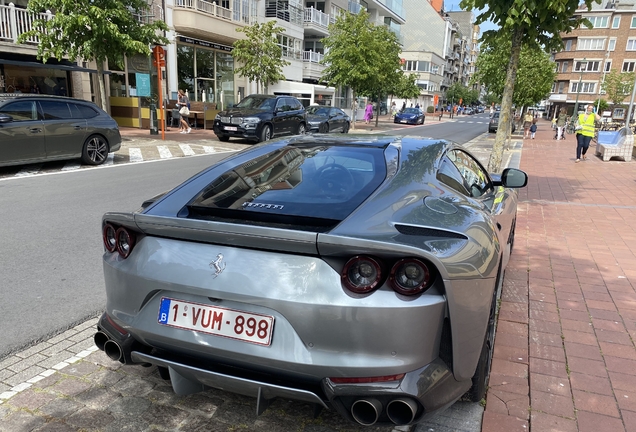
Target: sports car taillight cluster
x,y
408,276
118,239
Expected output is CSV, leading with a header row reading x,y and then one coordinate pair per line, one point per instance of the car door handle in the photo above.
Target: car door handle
x,y
35,130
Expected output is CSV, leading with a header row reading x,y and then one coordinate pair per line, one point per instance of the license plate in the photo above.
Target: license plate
x,y
402,121
218,321
231,128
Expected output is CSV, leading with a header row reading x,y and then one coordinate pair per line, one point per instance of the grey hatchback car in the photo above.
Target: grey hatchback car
x,y
42,128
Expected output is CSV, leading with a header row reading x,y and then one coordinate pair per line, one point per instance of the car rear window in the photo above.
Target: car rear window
x,y
322,185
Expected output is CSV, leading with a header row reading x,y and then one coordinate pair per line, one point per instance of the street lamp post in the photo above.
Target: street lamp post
x,y
578,92
600,87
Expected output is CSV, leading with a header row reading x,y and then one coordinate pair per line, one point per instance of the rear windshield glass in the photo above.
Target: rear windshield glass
x,y
319,182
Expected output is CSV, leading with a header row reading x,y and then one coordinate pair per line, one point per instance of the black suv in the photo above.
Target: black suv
x,y
261,117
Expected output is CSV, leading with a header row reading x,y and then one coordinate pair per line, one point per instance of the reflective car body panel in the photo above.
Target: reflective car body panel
x,y
325,119
270,231
40,128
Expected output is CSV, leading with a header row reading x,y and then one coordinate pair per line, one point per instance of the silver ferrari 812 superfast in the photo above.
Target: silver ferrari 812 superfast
x,y
358,273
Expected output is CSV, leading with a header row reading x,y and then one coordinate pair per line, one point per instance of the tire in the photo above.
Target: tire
x,y
482,373
95,150
345,128
301,129
323,128
422,120
223,138
266,133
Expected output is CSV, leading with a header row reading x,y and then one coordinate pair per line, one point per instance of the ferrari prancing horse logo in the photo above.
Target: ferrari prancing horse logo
x,y
218,265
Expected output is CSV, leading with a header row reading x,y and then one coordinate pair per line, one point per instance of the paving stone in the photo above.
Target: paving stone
x,y
495,422
554,404
31,399
70,386
132,386
27,363
85,334
32,350
592,422
5,363
21,421
61,407
547,422
129,424
97,398
129,406
202,403
62,336
88,418
165,417
81,346
57,348
106,377
596,403
56,426
80,369
24,375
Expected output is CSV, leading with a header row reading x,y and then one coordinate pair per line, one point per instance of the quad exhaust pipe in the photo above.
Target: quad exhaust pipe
x,y
113,350
119,350
401,411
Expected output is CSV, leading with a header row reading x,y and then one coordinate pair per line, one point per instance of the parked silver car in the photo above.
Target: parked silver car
x,y
42,128
358,273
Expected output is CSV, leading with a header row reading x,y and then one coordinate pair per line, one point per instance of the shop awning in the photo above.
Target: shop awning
x,y
66,67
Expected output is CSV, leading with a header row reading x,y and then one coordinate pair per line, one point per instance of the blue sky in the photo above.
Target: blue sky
x,y
453,5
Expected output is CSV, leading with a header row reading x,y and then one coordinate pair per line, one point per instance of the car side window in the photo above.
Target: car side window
x,y
476,179
55,110
20,110
82,111
281,105
296,105
451,177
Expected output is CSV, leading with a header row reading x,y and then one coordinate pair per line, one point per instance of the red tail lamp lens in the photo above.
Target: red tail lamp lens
x,y
125,241
361,274
110,240
410,276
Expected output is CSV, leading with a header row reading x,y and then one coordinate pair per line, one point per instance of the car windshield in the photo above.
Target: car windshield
x,y
323,182
254,102
318,110
411,111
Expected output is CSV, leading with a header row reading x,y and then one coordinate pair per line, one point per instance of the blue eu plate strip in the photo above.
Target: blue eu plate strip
x,y
164,310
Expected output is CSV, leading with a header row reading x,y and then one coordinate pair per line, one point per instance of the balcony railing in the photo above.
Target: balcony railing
x,y
240,14
314,16
285,11
313,57
354,7
14,21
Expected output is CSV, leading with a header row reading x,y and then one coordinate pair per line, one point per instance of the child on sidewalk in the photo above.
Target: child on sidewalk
x,y
533,128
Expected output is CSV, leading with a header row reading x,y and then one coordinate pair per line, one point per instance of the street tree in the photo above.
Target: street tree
x,y
405,88
94,30
456,93
538,23
535,73
260,55
618,85
362,56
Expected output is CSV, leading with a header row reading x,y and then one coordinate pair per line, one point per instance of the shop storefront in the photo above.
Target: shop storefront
x,y
25,74
205,71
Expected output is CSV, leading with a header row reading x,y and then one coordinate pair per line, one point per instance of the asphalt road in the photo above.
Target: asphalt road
x,y
50,240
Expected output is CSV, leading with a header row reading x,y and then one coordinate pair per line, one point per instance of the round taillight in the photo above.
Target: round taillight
x,y
409,276
361,274
110,241
125,242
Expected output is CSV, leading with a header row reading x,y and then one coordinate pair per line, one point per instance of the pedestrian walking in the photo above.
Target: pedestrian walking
x,y
354,110
368,112
585,131
184,111
403,106
527,122
393,109
562,120
441,112
533,128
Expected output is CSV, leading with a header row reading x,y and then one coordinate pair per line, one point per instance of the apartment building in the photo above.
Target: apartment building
x,y
589,54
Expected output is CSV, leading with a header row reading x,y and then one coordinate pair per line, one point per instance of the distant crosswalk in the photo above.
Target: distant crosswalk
x,y
125,155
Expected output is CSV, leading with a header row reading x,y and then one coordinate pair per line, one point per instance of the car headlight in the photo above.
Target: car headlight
x,y
251,120
217,117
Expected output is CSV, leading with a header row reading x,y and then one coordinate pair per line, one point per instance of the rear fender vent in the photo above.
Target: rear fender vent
x,y
428,232
446,345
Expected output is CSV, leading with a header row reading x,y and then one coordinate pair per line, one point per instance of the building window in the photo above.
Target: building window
x,y
633,24
435,69
290,47
590,44
598,21
410,65
608,65
631,44
584,87
628,65
568,45
616,22
561,87
586,66
423,66
564,66
611,46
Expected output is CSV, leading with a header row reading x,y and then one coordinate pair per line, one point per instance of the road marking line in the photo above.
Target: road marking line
x,y
110,159
135,154
29,171
70,166
208,149
186,149
164,152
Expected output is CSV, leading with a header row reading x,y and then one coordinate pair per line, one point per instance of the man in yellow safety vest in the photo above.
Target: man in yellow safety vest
x,y
585,131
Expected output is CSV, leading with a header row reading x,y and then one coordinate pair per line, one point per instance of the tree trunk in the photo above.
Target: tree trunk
x,y
379,105
494,163
100,82
354,110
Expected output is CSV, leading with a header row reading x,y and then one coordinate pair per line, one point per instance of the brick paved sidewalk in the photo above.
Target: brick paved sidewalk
x,y
564,351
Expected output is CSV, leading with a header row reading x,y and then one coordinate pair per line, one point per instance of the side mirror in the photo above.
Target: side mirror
x,y
511,178
5,118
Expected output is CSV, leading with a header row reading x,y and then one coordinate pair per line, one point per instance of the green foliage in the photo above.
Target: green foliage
x,y
618,85
430,109
93,30
366,58
260,54
602,105
535,24
456,92
535,73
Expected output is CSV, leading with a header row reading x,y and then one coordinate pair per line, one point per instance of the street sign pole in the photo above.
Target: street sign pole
x,y
159,62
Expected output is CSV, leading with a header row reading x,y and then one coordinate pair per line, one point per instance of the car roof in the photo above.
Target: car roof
x,y
266,96
9,96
